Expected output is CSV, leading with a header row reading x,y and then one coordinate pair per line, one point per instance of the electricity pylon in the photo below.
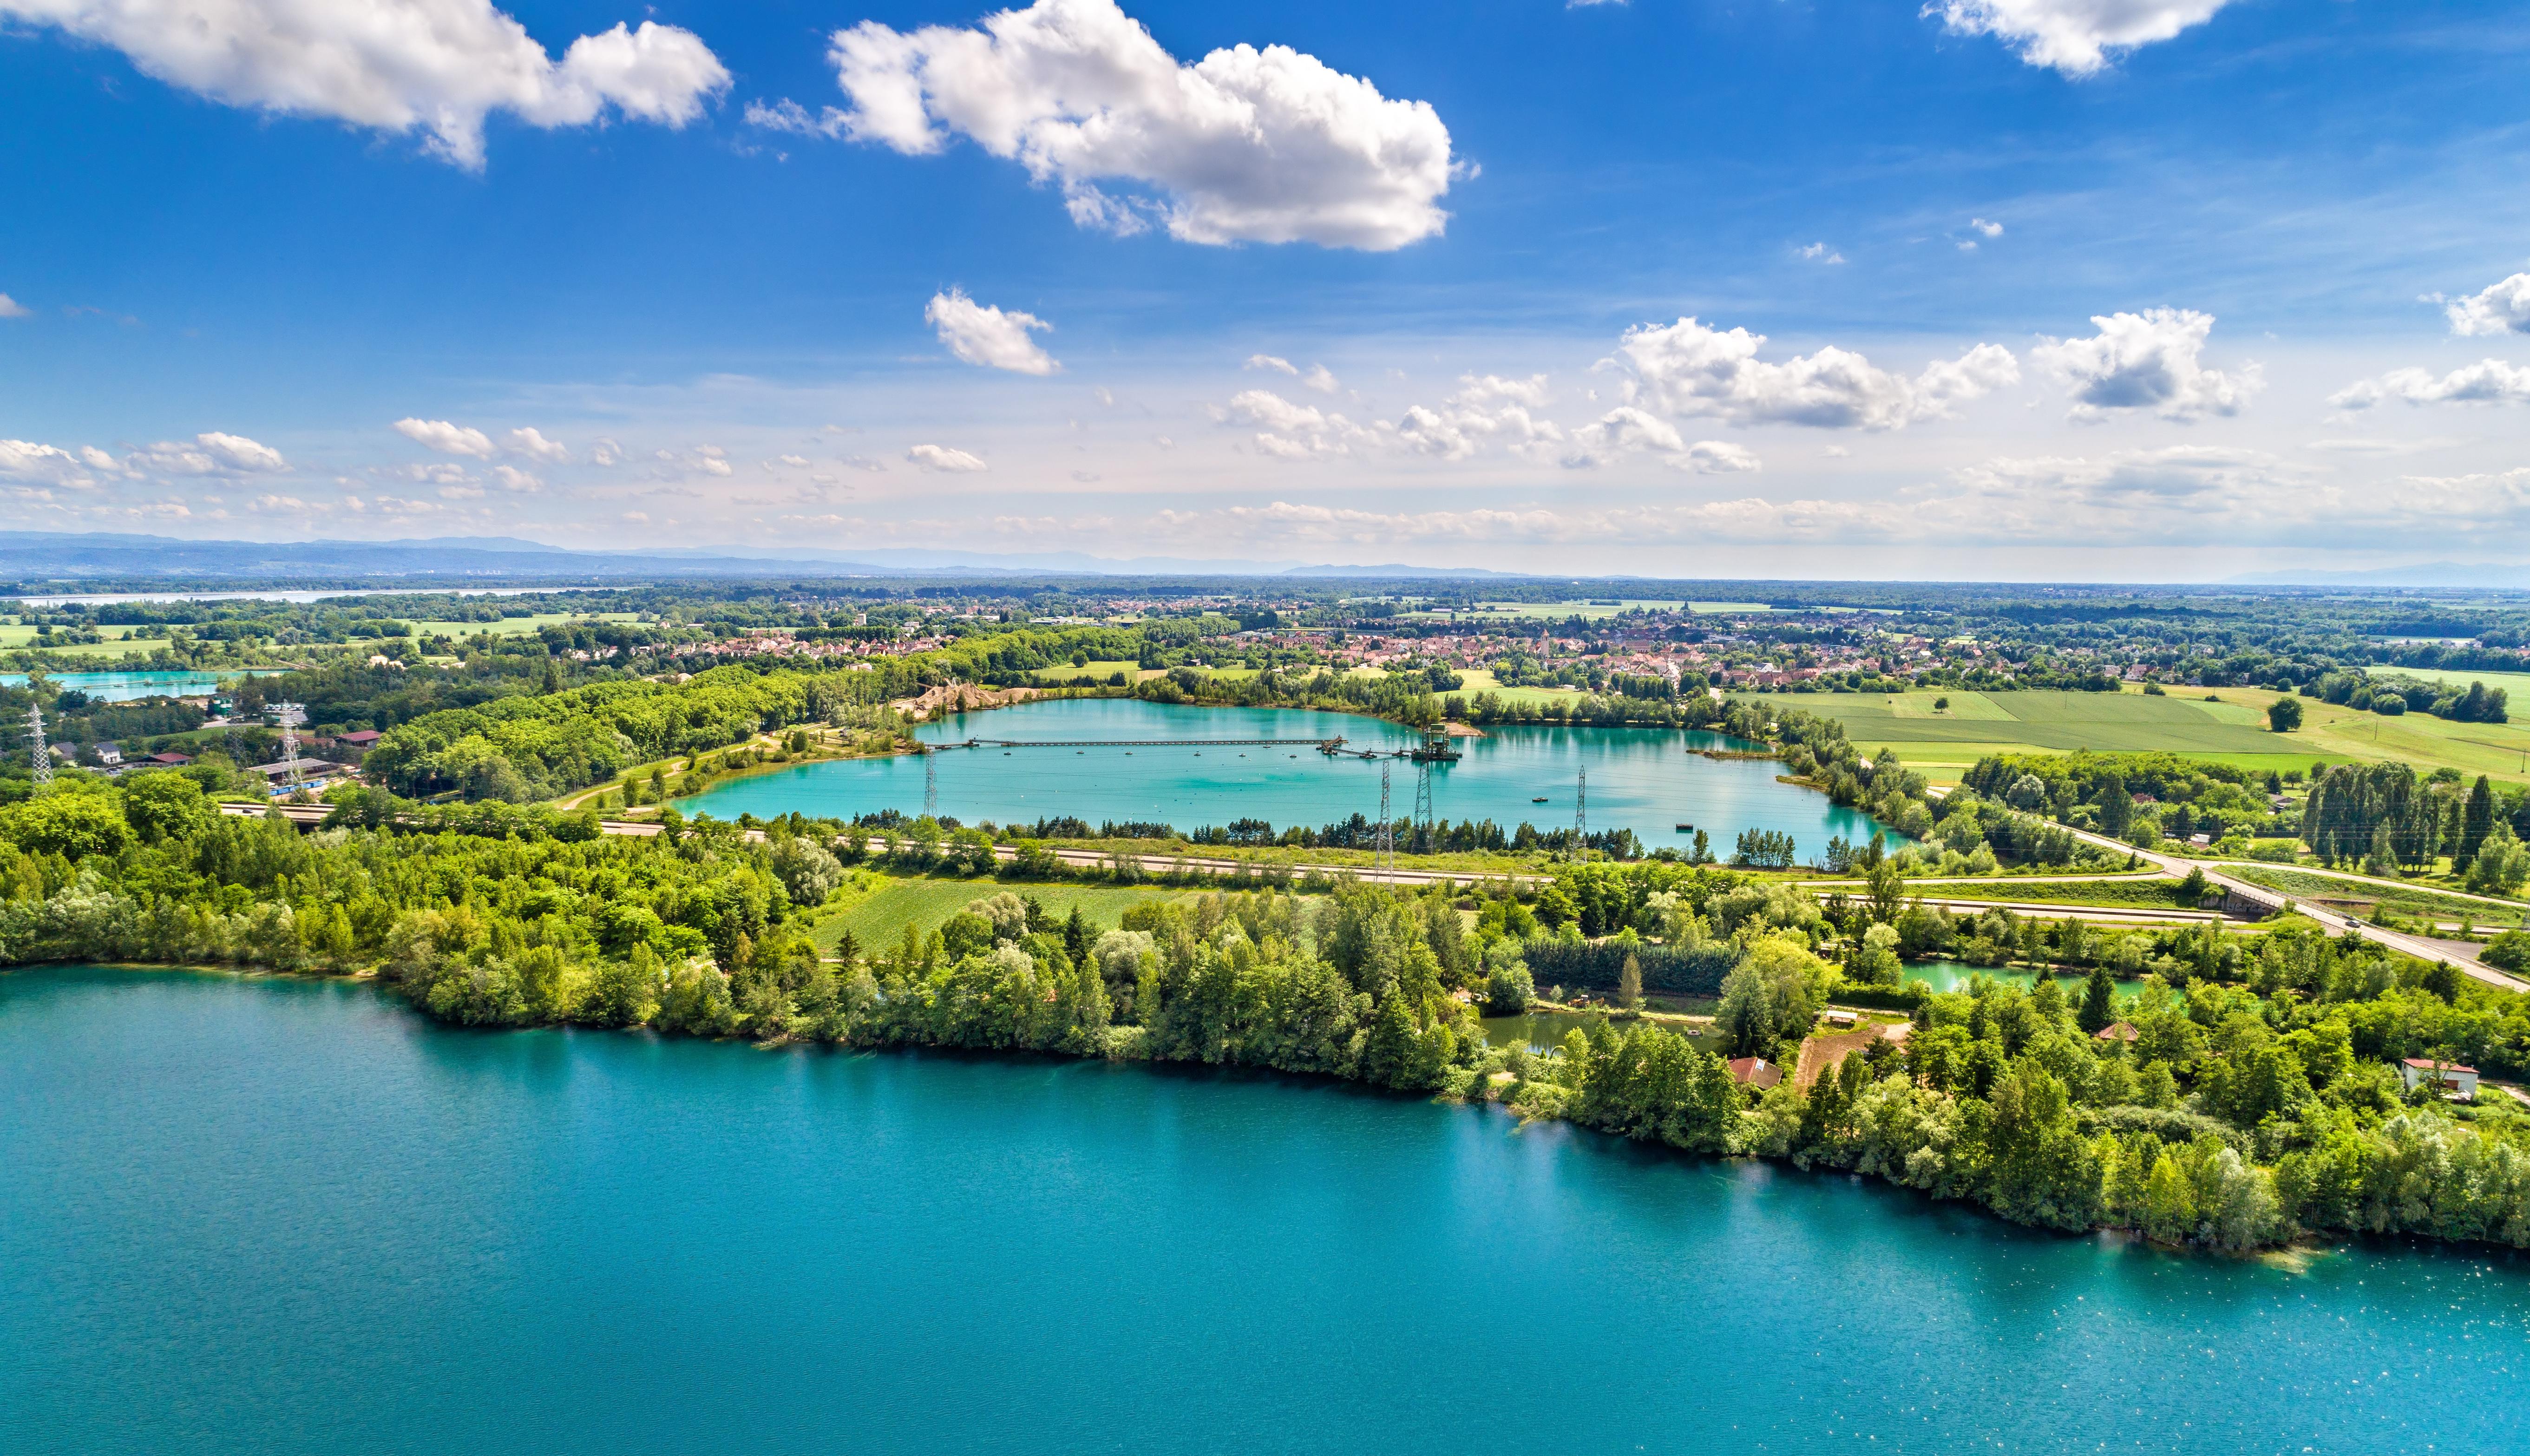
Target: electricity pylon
x,y
290,715
1387,829
1423,802
1581,816
35,736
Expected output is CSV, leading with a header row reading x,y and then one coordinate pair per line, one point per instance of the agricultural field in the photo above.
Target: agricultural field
x,y
877,907
516,626
1063,672
2337,734
1475,680
2517,685
120,642
1942,745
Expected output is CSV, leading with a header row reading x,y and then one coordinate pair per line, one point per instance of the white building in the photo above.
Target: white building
x,y
2416,1071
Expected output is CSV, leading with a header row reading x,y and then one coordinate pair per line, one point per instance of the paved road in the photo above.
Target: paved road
x,y
2274,901
2366,881
1162,864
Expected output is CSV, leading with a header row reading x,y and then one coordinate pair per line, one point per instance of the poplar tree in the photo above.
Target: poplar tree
x,y
2477,821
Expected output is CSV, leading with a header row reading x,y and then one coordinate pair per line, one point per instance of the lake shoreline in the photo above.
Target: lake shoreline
x,y
1551,1114
1648,780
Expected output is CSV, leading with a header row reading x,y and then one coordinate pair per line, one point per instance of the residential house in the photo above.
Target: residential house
x,y
2461,1083
1755,1071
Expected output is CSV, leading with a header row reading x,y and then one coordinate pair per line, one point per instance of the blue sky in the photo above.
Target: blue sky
x,y
393,267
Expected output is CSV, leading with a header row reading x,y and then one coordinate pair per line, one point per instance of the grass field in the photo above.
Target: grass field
x,y
1942,745
516,626
878,907
2141,893
2406,899
1064,672
2517,685
2337,734
1476,680
15,638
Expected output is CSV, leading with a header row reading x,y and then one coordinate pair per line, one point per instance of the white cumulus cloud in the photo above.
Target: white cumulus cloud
x,y
1245,146
1466,423
2497,308
1818,253
396,64
534,446
1628,430
1990,229
515,480
988,336
208,454
2489,382
2146,360
1689,368
26,463
2073,36
1294,431
11,308
238,453
445,439
941,458
1268,362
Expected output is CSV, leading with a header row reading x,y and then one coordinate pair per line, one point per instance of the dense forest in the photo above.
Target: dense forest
x,y
2255,1099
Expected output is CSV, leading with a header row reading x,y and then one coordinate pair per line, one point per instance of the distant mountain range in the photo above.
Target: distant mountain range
x,y
51,559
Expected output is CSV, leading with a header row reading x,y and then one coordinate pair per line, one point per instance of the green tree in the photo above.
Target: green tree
x,y
2283,715
70,821
2169,1202
2099,1001
1508,989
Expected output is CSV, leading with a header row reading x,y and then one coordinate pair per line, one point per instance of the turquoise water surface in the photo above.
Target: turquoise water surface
x,y
1647,780
129,687
1954,975
277,1216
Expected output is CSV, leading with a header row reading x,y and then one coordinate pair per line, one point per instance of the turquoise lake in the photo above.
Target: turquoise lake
x,y
130,687
1649,781
273,1216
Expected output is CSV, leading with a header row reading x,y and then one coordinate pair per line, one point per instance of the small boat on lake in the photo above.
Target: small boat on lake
x,y
1540,799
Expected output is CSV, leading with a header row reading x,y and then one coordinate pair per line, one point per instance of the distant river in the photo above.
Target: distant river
x,y
293,1218
1646,780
